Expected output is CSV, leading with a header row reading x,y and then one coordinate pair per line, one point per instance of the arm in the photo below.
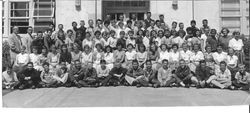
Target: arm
x,y
159,76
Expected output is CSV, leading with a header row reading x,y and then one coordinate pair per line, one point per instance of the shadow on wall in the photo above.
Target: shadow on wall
x,y
78,8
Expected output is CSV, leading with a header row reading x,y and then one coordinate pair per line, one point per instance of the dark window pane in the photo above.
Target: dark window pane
x,y
19,5
134,3
21,23
126,3
19,13
140,16
142,3
3,26
118,3
42,12
110,3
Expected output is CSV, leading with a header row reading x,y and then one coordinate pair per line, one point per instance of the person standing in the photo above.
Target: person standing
x,y
27,39
15,43
148,20
224,39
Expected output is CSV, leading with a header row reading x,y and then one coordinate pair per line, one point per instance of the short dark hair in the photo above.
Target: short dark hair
x,y
102,61
148,61
129,21
164,60
97,32
135,61
175,45
204,20
30,63
223,62
148,12
193,21
202,61
69,31
45,63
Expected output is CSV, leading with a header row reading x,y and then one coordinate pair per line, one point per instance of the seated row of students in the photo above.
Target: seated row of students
x,y
88,76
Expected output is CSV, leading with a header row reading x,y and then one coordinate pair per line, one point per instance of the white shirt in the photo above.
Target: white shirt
x,y
204,38
175,57
87,42
105,43
130,55
130,41
34,58
219,57
146,41
9,78
163,55
112,42
101,72
196,57
109,58
236,44
232,60
22,58
185,55
178,40
87,57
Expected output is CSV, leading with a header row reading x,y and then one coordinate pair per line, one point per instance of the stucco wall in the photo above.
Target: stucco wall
x,y
208,9
66,11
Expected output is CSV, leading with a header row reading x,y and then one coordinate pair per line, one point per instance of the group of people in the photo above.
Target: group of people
x,y
142,53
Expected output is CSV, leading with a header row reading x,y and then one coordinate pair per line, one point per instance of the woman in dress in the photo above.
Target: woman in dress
x,y
53,57
98,55
109,57
87,56
141,55
130,55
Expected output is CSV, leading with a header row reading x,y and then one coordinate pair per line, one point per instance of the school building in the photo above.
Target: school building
x,y
233,14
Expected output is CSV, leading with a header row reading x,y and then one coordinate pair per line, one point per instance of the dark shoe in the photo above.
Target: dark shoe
x,y
33,87
138,85
78,85
21,87
187,86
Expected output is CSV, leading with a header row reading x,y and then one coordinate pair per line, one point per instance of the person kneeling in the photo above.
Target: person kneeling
x,y
29,78
242,79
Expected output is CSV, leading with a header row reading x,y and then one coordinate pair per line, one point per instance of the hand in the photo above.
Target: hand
x,y
76,75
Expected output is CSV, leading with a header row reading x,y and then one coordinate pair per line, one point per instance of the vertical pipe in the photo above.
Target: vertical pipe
x,y
95,10
193,9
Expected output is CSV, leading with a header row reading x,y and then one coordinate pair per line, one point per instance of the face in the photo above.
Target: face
x,y
82,23
23,49
230,51
141,48
165,64
70,34
53,49
148,15
182,63
193,24
219,49
108,49
185,47
64,48
149,65
135,65
74,24
46,67
30,30
242,69
39,35
121,17
78,64
160,34
75,48
122,35
203,65
87,35
130,47
133,16
222,67
44,51
237,35
174,25
167,33
60,26
175,48
97,35
86,49
209,49
91,22
63,64
161,17
103,65
181,26
206,31
30,66
213,33
152,47
119,47
34,51
16,30
158,23
152,23
205,23
9,70
163,47
196,48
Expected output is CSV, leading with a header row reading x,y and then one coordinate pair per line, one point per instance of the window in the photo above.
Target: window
x,y
43,14
19,16
3,18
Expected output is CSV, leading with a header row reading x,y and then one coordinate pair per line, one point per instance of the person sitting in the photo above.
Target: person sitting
x,y
21,60
222,77
183,75
34,58
65,56
10,80
242,78
53,57
219,56
89,77
62,77
29,78
130,55
47,79
116,75
134,74
195,57
75,73
150,75
165,74
202,73
109,57
232,62
102,72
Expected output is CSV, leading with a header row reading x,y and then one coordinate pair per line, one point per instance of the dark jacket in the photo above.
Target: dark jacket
x,y
65,57
119,71
34,74
203,74
182,72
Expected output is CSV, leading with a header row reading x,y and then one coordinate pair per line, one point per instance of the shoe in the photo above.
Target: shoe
x,y
33,87
138,85
78,85
182,84
21,87
187,86
155,86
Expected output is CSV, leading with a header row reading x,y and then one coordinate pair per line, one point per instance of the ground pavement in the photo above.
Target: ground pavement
x,y
123,96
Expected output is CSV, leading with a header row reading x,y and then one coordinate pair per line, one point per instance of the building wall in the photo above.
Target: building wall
x,y
208,9
66,12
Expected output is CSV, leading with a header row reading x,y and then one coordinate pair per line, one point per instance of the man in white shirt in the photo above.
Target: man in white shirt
x,y
236,43
9,80
219,55
204,38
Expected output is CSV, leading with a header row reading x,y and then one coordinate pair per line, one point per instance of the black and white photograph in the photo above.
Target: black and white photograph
x,y
125,53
